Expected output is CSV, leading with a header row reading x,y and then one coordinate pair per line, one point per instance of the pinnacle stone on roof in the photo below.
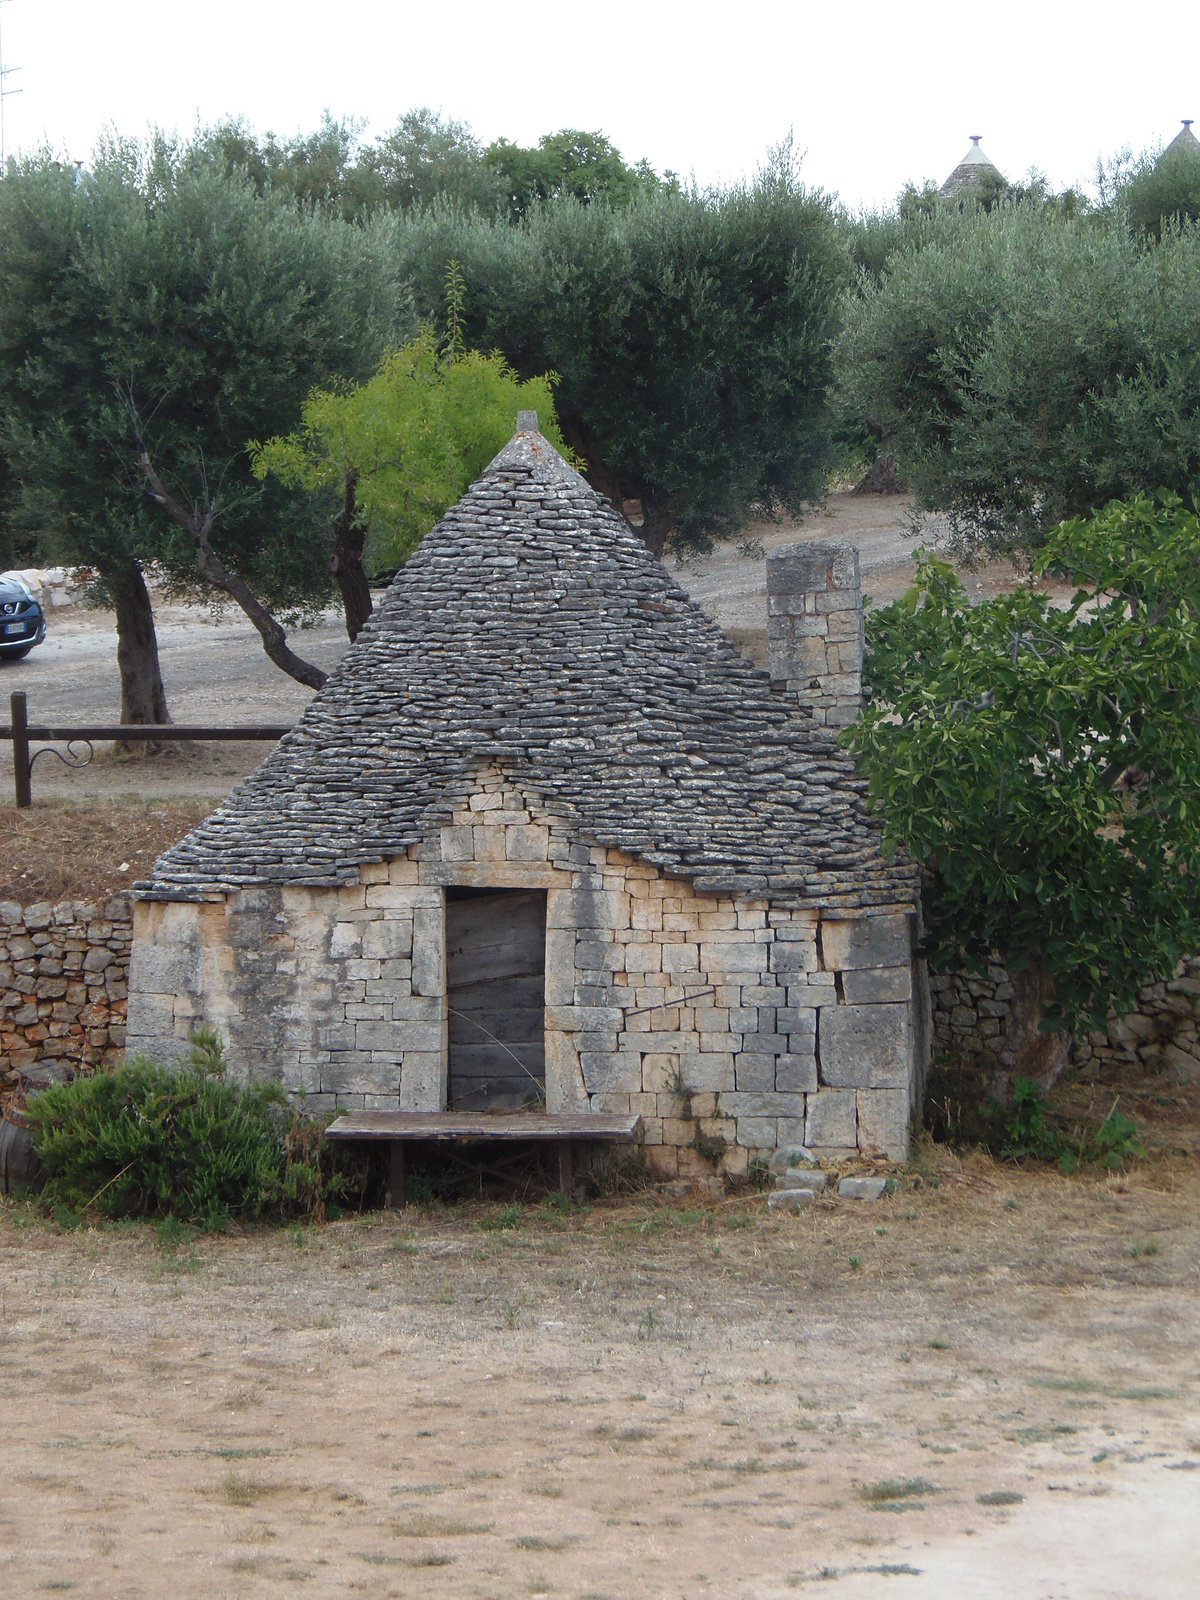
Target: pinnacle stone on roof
x,y
973,166
1184,140
534,632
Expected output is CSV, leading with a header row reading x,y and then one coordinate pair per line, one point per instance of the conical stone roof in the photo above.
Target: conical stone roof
x,y
533,631
1184,142
970,171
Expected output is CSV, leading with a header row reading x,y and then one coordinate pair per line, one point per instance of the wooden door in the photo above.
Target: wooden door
x,y
496,986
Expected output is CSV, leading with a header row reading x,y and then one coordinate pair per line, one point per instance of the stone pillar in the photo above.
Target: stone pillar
x,y
815,629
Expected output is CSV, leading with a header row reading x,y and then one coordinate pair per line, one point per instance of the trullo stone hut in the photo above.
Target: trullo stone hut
x,y
546,833
974,171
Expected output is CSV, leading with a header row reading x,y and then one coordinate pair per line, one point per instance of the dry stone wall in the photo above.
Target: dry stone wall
x,y
64,973
715,1017
970,1020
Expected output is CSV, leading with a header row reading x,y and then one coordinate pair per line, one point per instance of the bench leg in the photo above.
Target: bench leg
x,y
565,1164
395,1188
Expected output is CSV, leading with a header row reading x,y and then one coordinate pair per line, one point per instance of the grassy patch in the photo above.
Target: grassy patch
x,y
897,1494
1000,1497
425,1526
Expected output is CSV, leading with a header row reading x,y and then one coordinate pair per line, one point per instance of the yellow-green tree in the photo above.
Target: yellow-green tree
x,y
401,448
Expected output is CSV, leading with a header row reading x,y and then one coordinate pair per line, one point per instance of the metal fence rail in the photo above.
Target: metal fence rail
x,y
21,734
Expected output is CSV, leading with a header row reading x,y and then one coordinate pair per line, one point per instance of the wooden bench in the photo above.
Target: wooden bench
x,y
398,1128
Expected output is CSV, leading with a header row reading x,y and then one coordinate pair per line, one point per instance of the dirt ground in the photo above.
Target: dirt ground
x,y
985,1384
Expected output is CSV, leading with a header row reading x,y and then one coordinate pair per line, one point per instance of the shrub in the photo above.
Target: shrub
x,y
188,1143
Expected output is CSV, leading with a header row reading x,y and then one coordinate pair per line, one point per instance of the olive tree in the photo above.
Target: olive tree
x,y
690,332
1030,364
155,315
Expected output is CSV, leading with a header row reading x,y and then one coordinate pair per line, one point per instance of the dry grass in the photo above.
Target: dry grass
x,y
780,1412
58,851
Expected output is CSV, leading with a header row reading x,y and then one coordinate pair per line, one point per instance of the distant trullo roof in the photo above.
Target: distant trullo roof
x,y
1184,140
970,170
533,631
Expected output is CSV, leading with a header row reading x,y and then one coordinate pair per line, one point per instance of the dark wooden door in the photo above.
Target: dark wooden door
x,y
496,983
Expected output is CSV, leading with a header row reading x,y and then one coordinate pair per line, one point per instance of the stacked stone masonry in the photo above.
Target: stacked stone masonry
x,y
714,1017
1162,1032
537,705
63,981
815,629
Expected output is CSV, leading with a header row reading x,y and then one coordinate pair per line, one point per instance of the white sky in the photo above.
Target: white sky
x,y
876,93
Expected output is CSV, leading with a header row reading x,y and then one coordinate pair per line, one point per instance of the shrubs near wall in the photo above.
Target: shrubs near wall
x,y
188,1143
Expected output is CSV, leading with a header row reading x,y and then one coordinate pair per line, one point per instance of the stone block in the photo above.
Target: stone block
x,y
680,958
831,1119
797,1074
808,1177
866,942
863,1047
527,842
754,1071
862,1188
877,985
345,940
790,1200
428,950
611,1072
587,908
717,959
756,1133
388,939
761,1103
159,967
423,1081
883,1116
356,1077
793,957
708,1070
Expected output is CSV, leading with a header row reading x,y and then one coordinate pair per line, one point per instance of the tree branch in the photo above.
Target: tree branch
x,y
198,524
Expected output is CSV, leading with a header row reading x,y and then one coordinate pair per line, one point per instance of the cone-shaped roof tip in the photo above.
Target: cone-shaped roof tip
x,y
1185,139
970,169
529,451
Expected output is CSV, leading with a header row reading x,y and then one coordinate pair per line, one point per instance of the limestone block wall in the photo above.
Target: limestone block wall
x,y
715,1017
63,975
815,628
970,1017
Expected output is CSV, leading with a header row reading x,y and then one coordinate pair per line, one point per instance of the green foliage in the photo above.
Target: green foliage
x,y
1027,1132
690,332
185,1145
411,439
154,279
1162,191
583,166
1043,762
426,158
1031,364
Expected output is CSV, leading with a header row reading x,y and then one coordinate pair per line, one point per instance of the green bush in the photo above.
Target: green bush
x,y
150,1141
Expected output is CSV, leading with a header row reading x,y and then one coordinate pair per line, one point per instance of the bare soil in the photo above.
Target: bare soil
x,y
986,1383
56,850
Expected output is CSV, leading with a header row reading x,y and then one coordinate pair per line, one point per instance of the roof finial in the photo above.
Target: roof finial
x,y
1187,122
527,422
975,137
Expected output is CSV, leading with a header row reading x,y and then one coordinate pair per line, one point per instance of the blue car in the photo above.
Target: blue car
x,y
22,624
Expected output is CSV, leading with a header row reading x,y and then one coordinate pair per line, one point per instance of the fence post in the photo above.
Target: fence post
x,y
20,745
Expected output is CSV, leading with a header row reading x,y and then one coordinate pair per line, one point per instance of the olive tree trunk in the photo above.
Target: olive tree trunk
x,y
143,698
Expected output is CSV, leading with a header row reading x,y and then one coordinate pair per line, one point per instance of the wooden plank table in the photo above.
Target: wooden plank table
x,y
398,1128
